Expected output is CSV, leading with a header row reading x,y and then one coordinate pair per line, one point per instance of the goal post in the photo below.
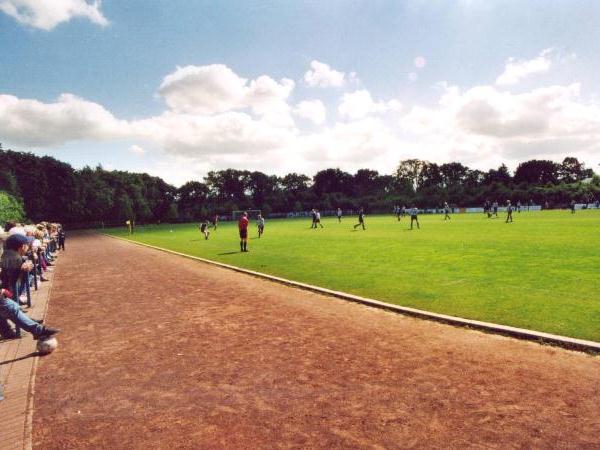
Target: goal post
x,y
252,214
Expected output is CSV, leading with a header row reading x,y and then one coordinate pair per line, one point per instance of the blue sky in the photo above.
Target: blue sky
x,y
178,88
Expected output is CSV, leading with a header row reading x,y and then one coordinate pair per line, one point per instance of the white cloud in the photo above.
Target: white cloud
x,y
313,110
483,125
515,71
359,104
137,149
33,123
216,119
197,136
321,75
46,14
412,77
216,89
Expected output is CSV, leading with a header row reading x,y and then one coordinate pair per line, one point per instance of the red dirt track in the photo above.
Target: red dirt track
x,y
159,351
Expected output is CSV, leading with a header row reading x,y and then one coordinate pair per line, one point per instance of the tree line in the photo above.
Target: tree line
x,y
49,189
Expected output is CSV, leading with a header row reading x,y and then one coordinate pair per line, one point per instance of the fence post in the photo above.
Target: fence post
x,y
35,269
27,288
16,299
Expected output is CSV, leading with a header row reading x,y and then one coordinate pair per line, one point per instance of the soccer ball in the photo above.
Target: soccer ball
x,y
46,346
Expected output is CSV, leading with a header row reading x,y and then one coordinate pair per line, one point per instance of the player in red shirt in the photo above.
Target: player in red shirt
x,y
243,227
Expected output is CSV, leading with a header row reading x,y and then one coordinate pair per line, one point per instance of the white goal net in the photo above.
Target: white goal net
x,y
252,214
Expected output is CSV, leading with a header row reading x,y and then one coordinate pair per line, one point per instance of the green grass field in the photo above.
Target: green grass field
x,y
541,272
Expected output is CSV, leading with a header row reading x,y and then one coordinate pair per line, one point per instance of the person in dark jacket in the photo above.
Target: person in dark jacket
x,y
12,265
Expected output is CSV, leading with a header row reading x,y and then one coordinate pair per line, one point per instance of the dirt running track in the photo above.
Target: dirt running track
x,y
162,352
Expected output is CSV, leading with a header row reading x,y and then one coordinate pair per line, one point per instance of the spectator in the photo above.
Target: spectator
x,y
12,266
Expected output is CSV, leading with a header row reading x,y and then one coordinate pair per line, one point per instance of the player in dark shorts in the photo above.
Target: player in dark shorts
x,y
339,215
318,220
495,206
446,211
509,211
519,206
414,217
243,228
204,229
361,219
215,221
313,215
572,206
260,224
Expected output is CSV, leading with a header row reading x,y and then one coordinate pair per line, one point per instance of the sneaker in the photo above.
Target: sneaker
x,y
40,321
7,336
46,332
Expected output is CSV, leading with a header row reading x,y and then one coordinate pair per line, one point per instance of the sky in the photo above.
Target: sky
x,y
177,88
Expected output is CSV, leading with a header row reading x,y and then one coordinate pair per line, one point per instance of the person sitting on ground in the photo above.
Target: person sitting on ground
x,y
12,265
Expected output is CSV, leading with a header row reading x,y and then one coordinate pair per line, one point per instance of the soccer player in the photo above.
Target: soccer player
x,y
397,212
243,228
260,224
313,214
318,220
446,211
414,217
204,228
495,208
361,219
572,206
339,215
509,211
215,221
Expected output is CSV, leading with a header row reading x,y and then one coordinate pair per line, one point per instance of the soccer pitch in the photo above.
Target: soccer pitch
x,y
540,272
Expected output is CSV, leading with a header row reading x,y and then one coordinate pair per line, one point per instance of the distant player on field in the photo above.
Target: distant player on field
x,y
243,228
318,220
509,211
572,206
215,221
339,214
204,228
313,215
519,206
414,217
446,211
260,224
361,219
495,208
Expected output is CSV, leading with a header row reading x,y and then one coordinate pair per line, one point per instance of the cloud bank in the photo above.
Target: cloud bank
x,y
47,14
214,118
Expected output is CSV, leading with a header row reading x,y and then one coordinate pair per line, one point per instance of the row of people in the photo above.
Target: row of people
x,y
27,255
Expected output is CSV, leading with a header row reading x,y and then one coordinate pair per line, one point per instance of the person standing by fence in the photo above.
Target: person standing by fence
x,y
62,236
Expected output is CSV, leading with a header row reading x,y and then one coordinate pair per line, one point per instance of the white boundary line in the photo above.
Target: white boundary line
x,y
520,333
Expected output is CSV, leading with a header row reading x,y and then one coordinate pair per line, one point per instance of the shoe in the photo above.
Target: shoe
x,y
46,332
8,336
40,321
44,279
